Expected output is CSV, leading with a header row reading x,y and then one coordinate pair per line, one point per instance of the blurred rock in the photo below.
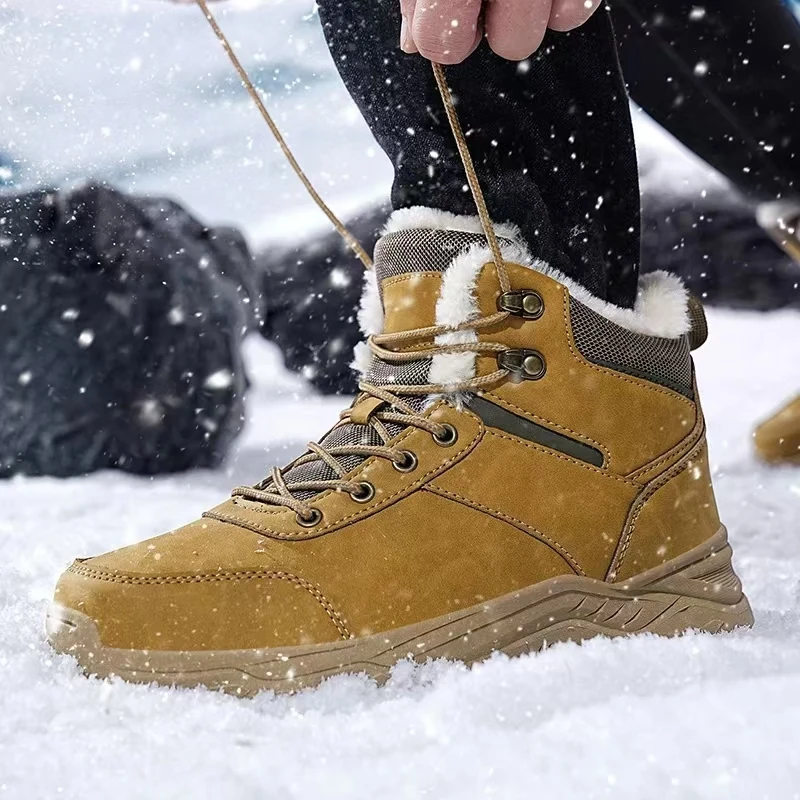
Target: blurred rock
x,y
723,256
120,327
311,294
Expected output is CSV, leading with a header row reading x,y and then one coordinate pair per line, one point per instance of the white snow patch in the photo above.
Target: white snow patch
x,y
221,379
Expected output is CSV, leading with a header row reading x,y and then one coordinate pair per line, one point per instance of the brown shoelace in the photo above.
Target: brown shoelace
x,y
276,490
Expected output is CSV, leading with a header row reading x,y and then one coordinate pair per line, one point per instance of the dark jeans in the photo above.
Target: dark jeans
x,y
552,138
725,80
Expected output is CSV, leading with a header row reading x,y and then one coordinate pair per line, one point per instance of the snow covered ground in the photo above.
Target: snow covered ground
x,y
698,717
138,93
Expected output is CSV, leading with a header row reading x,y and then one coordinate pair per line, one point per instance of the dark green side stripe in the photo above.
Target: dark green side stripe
x,y
496,417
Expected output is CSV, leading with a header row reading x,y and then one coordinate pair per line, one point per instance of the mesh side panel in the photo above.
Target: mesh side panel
x,y
421,250
342,436
381,373
417,403
663,361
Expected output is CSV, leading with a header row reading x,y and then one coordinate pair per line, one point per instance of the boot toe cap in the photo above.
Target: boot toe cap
x,y
198,612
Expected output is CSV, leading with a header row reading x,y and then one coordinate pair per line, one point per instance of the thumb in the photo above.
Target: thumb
x,y
407,8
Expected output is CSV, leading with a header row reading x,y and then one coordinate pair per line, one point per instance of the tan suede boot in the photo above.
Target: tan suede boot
x,y
777,440
537,475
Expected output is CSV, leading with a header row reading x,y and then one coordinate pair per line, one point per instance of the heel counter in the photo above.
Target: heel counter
x,y
674,514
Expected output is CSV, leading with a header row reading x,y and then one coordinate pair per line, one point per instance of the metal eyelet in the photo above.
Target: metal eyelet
x,y
524,365
408,464
448,438
533,366
309,522
526,303
364,494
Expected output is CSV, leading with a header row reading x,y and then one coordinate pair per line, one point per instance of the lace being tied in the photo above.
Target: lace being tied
x,y
387,404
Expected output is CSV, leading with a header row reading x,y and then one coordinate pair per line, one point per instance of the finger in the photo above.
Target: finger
x,y
446,31
515,28
406,39
569,14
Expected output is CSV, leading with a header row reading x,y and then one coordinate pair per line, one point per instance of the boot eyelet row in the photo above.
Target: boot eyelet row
x,y
408,464
364,493
312,520
448,437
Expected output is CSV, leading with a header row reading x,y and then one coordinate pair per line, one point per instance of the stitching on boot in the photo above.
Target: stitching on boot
x,y
640,502
410,276
601,473
517,523
676,452
549,423
639,383
157,580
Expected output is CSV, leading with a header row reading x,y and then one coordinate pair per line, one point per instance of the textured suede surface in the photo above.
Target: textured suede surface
x,y
632,420
676,516
422,557
778,438
410,300
480,518
579,506
210,611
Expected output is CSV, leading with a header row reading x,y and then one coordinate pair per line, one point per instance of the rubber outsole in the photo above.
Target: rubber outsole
x,y
698,591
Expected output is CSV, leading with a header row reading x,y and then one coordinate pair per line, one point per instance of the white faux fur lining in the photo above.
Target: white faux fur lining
x,y
362,359
405,219
370,310
370,319
458,303
661,307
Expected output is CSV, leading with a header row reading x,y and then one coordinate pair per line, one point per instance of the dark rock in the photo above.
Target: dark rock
x,y
721,253
311,295
121,321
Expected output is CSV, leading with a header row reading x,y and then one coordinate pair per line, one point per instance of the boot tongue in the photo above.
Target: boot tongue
x,y
408,267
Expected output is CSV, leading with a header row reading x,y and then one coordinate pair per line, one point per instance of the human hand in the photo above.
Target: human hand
x,y
447,31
